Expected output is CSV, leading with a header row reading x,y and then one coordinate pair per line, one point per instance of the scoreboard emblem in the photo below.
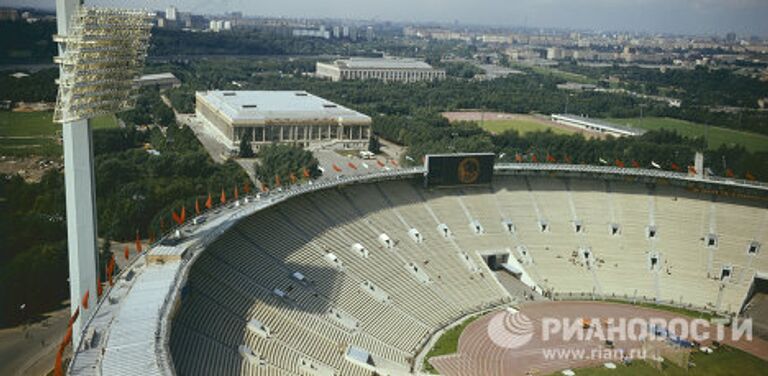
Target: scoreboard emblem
x,y
469,170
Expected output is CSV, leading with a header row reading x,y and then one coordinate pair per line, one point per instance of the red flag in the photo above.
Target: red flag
x,y
394,162
292,176
247,187
635,164
176,217
209,201
138,242
352,165
183,216
110,269
58,368
729,173
197,206
675,166
534,159
619,163
126,253
99,287
336,168
223,198
305,172
749,176
551,158
277,180
237,194
84,302
380,163
518,157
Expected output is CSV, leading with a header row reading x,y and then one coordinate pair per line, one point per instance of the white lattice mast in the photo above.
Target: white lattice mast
x,y
101,52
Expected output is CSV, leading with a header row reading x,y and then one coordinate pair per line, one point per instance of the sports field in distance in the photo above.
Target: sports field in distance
x,y
34,133
498,122
717,135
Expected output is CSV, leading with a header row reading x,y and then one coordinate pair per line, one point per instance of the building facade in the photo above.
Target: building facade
x,y
386,69
288,117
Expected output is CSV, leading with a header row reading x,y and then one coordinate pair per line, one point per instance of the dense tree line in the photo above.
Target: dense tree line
x,y
135,190
22,42
285,164
37,87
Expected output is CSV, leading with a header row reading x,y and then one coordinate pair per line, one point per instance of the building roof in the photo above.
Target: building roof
x,y
278,106
381,63
597,123
158,76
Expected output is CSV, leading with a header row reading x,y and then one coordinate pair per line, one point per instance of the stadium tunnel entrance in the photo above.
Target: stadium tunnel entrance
x,y
496,261
756,306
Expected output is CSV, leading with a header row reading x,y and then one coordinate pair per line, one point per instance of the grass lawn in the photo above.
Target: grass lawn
x,y
661,307
717,135
522,126
726,361
34,133
447,343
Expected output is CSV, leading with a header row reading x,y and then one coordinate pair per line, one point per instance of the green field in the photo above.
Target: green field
x,y
725,361
447,344
716,135
34,133
522,126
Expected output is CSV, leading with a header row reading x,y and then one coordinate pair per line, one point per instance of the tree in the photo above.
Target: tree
x,y
246,151
374,145
284,161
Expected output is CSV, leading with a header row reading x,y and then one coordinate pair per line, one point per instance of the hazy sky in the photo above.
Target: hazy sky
x,y
677,16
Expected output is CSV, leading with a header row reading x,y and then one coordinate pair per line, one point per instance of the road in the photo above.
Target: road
x,y
31,350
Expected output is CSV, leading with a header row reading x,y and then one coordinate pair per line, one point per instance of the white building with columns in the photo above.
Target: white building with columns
x,y
289,117
387,69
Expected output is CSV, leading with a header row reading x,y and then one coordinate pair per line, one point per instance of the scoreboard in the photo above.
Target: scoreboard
x,y
458,169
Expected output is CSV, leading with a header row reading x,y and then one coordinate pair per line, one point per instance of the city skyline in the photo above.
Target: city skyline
x,y
693,17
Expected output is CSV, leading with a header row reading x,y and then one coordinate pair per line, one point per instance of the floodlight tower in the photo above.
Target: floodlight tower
x,y
81,194
101,53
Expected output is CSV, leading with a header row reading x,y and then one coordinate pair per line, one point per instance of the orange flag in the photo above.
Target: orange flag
x,y
337,168
635,164
126,253
675,166
223,198
534,159
209,201
729,173
176,217
292,176
84,302
551,158
394,162
692,170
518,157
247,187
197,207
619,163
237,195
183,216
99,287
380,163
305,172
138,242
352,165
111,269
749,176
264,188
277,180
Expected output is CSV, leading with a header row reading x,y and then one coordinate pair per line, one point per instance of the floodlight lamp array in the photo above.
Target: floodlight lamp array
x,y
103,55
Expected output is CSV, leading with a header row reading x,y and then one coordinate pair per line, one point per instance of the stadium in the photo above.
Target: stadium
x,y
361,275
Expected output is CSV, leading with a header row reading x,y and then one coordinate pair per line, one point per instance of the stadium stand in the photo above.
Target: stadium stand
x,y
355,279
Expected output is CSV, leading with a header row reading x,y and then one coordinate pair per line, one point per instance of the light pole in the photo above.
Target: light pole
x,y
80,187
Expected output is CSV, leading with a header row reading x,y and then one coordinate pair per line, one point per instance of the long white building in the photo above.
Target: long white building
x,y
596,125
387,69
294,117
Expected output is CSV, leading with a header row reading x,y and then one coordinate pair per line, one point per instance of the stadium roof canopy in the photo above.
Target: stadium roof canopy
x,y
265,106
